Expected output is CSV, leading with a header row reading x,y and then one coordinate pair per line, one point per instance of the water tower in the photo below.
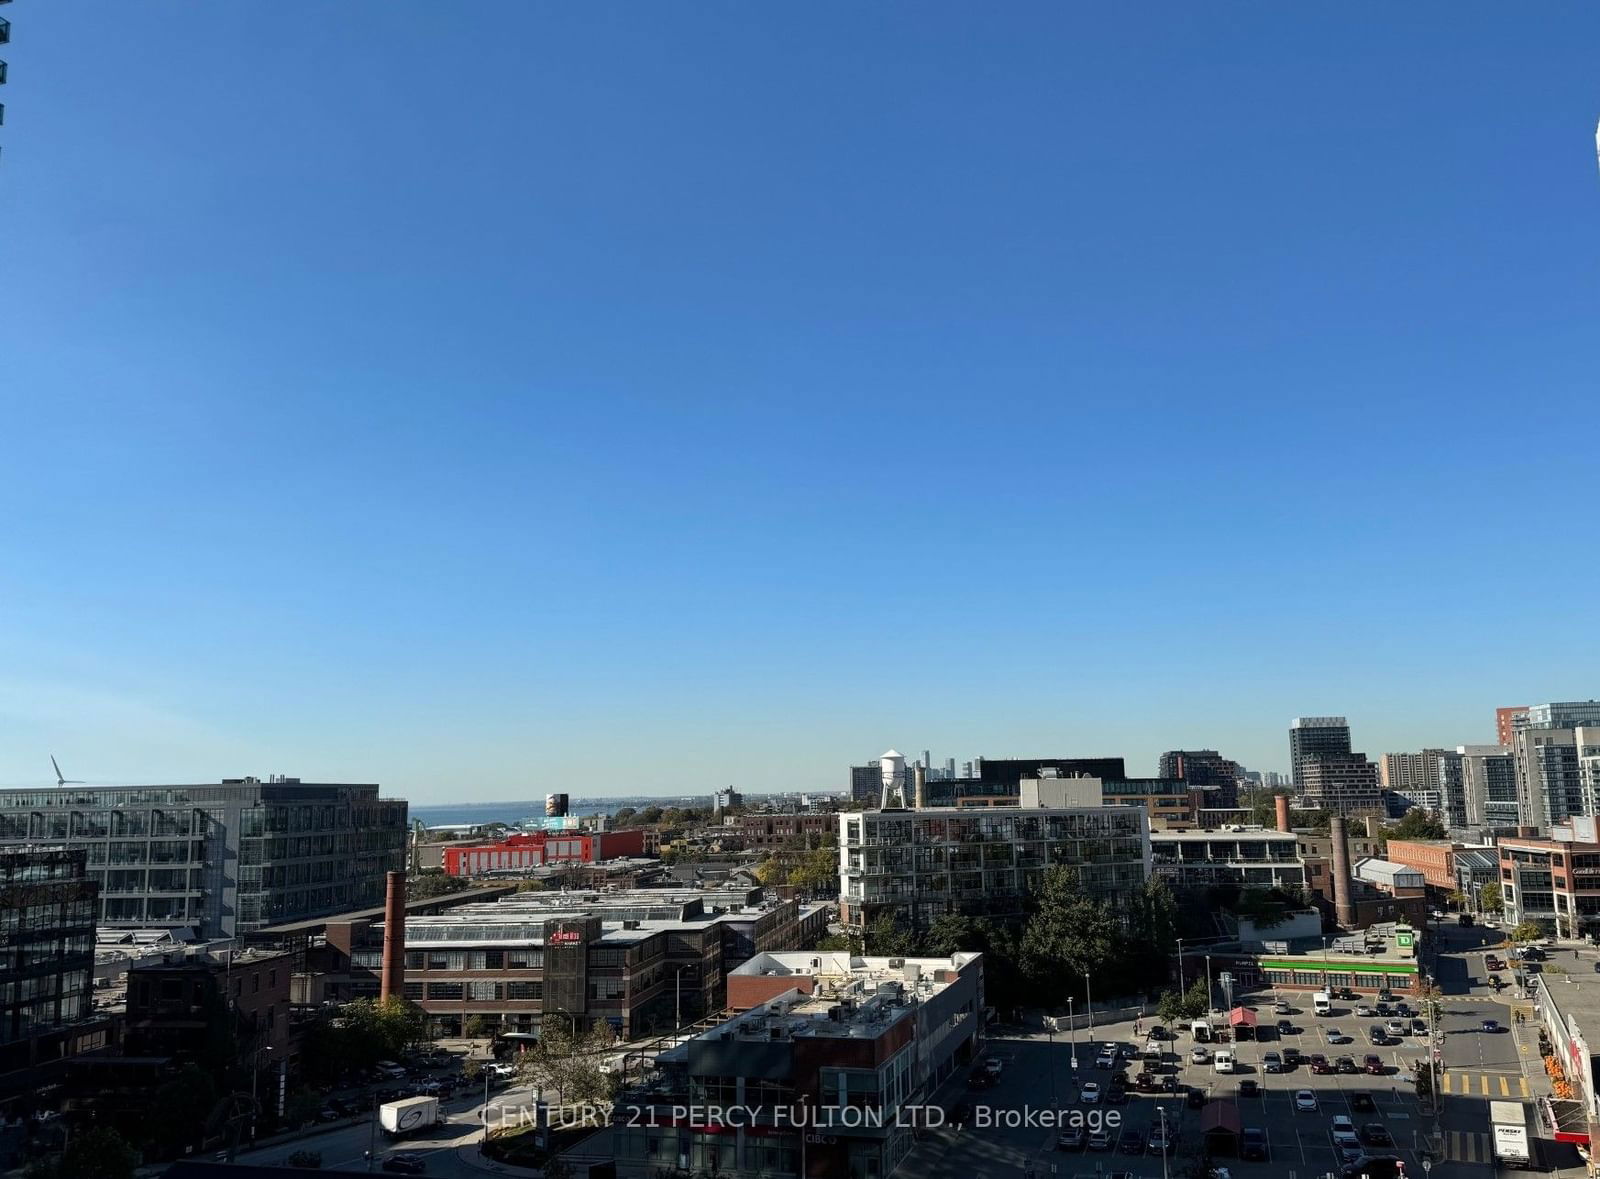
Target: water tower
x,y
893,767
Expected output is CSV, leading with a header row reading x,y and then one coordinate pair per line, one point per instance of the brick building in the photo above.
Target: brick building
x,y
517,853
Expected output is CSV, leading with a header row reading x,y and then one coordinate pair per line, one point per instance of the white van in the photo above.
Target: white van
x,y
1223,1062
1201,1031
1322,1003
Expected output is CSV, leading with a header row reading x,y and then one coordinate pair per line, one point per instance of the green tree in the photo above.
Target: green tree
x,y
96,1153
818,870
1170,1007
1457,899
1527,931
624,816
1070,934
1197,999
1416,824
772,873
477,1027
430,883
1489,898
884,937
849,942
569,1064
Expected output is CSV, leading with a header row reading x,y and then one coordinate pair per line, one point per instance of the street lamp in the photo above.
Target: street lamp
x,y
1181,987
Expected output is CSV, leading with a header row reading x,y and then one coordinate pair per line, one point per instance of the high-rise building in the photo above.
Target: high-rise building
x,y
1410,771
866,782
1550,779
1205,767
1313,735
1343,783
220,859
1507,721
1488,775
47,914
1564,714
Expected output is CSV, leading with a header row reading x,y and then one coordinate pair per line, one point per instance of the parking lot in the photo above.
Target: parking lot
x,y
1036,1070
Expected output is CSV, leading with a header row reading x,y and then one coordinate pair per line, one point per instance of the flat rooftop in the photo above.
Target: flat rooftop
x,y
315,924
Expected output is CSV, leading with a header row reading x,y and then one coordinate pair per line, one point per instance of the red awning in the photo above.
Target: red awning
x,y
1241,1015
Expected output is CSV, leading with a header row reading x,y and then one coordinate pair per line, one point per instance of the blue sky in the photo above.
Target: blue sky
x,y
485,399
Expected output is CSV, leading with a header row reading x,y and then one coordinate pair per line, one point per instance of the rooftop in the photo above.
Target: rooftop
x,y
1171,835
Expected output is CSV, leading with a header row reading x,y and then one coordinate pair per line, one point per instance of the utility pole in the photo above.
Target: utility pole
x,y
1166,1146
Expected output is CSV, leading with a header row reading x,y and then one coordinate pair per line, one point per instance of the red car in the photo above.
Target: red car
x,y
1373,1065
1319,1064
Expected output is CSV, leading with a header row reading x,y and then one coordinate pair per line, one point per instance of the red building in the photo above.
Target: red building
x,y
535,850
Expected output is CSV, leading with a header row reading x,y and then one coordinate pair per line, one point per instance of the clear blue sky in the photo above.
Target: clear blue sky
x,y
499,397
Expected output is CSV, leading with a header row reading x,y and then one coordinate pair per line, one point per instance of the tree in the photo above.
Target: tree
x,y
1069,934
771,873
180,1109
818,870
530,885
1170,1007
849,942
569,1063
1489,899
96,1153
432,882
477,1027
624,816
885,938
1197,999
1457,899
1416,824
1527,931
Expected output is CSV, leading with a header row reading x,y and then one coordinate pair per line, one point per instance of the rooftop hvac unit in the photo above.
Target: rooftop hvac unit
x,y
896,963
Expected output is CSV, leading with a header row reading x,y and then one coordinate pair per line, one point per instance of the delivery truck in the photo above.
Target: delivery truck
x,y
409,1115
1512,1147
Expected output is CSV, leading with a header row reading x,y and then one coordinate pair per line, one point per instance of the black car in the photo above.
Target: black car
x,y
1253,1145
1132,1142
1249,1089
1345,1064
1196,1098
1362,1102
405,1163
1291,1057
1285,1028
1376,1134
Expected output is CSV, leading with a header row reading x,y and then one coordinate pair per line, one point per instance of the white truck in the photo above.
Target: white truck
x,y
1510,1123
409,1115
1322,1003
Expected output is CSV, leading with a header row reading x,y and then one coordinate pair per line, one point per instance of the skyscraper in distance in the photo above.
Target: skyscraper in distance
x,y
1313,735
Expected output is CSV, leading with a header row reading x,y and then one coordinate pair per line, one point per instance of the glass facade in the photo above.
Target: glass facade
x,y
222,859
47,916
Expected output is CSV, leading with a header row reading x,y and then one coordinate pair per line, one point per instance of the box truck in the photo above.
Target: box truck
x,y
1511,1145
409,1115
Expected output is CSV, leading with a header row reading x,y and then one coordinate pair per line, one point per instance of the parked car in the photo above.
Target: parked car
x,y
1376,1036
1253,1145
1090,1093
1196,1098
1395,1028
1291,1057
1106,1059
1271,1062
1070,1139
1281,1007
994,1066
1132,1142
1372,1065
1248,1088
1364,1011
1376,1134
1223,1062
1306,1101
405,1163
1320,1065
1335,1036
1361,1102
1099,1140
1419,1027
1198,1055
1161,1140
1345,1064
1285,1028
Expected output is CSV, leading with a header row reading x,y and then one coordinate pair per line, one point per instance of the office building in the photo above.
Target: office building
x,y
47,914
1507,721
218,859
911,866
1248,858
1315,735
1344,783
1403,772
1554,881
726,800
823,1075
866,782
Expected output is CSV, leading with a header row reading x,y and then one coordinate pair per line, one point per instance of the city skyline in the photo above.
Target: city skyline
x,y
537,399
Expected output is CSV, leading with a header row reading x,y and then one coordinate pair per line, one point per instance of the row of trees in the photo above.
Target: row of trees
x,y
812,870
358,1035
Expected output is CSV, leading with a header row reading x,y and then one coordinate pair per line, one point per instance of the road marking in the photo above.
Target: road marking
x,y
1523,1081
1505,1087
1445,1084
1464,1146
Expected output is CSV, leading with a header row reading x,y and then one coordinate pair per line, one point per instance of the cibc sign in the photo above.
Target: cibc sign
x,y
565,937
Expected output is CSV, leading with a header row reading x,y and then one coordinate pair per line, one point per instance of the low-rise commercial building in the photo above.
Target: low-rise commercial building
x,y
177,1006
773,832
518,853
1554,881
820,1077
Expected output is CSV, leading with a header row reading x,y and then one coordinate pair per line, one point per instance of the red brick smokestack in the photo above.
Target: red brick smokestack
x,y
1283,812
1344,908
393,981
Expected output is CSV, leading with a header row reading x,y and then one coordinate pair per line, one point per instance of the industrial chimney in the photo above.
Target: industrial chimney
x,y
393,979
1282,801
1343,907
922,786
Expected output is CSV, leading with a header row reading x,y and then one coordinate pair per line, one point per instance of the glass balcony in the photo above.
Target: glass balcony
x,y
5,28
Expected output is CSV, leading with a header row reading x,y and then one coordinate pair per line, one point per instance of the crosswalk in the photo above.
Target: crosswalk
x,y
1464,1084
1465,1146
